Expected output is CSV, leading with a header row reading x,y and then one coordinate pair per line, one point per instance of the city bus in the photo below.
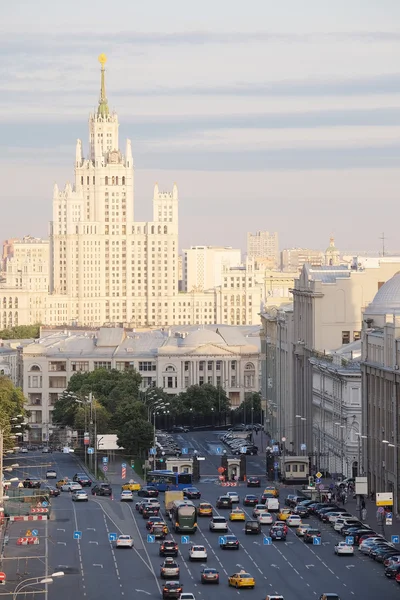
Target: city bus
x,y
183,516
168,480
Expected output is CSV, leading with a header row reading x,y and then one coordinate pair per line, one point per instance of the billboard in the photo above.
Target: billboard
x,y
107,442
384,499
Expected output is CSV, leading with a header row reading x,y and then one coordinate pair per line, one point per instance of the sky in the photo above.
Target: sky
x,y
279,116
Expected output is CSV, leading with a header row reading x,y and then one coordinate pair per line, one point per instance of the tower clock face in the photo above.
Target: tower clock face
x,y
114,157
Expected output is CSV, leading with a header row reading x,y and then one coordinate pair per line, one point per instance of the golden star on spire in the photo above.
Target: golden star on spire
x,y
102,59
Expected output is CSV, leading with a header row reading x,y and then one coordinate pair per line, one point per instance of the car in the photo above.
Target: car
x,y
253,482
249,449
148,491
132,486
352,525
51,491
224,502
149,511
329,596
153,520
234,496
51,474
168,548
61,482
265,518
333,518
293,520
392,570
252,527
310,534
290,500
124,541
259,508
46,450
282,525
126,496
197,552
271,489
83,479
192,493
179,429
343,548
250,500
381,554
302,511
330,513
325,508
79,496
273,597
71,486
171,589
365,536
271,504
368,544
283,514
300,531
159,530
218,524
169,568
340,523
32,483
229,542
209,575
277,533
393,560
356,533
187,596
205,509
237,515
102,489
24,450
241,579
377,546
140,506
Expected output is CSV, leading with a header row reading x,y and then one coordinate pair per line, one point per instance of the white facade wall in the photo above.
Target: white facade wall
x,y
9,363
238,298
203,266
263,244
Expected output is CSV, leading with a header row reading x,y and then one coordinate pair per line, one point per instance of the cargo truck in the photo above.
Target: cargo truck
x,y
169,500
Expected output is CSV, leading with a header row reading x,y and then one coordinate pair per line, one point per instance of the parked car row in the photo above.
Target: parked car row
x,y
167,445
239,444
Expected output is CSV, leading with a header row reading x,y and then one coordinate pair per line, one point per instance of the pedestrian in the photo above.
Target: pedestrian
x,y
329,496
362,504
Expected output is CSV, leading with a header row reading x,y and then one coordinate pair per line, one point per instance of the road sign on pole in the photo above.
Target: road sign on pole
x,y
90,450
77,535
318,475
219,450
151,539
185,539
267,541
275,449
184,450
34,532
2,576
112,537
221,540
105,468
317,541
153,451
105,460
395,539
303,447
349,540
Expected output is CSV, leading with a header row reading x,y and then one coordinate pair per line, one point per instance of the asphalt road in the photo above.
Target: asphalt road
x,y
296,570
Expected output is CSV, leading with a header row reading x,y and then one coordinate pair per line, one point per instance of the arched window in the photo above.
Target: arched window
x,y
87,180
123,181
94,179
249,367
10,302
15,302
106,181
4,302
116,180
16,319
35,368
170,369
82,180
113,180
159,229
237,299
152,229
165,229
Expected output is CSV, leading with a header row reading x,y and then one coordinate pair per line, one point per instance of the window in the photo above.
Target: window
x,y
201,365
302,468
186,366
218,365
106,180
356,335
233,365
288,467
210,365
77,365
345,337
147,366
35,381
294,468
102,364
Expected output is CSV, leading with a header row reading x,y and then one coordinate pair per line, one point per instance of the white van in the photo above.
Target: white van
x,y
272,504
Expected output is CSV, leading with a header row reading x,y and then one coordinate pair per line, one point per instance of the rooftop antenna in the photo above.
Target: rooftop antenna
x,y
383,238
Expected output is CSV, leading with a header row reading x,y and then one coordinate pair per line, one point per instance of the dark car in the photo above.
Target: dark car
x,y
310,534
31,482
302,511
171,589
102,489
253,482
392,570
352,524
229,542
252,527
224,502
277,533
381,554
82,479
250,450
353,529
250,500
150,511
360,533
51,491
153,520
179,429
209,575
320,510
294,500
168,548
159,530
148,491
191,493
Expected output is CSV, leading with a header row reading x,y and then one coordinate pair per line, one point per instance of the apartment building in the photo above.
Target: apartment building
x,y
263,246
202,266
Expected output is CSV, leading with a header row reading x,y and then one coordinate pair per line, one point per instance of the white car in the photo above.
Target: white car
x,y
218,524
343,548
197,553
344,522
124,541
71,486
51,474
187,596
259,508
79,496
293,521
24,450
126,495
365,546
151,502
234,496
302,529
335,516
265,518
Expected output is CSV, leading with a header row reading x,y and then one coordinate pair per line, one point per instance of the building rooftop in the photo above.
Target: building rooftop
x,y
387,299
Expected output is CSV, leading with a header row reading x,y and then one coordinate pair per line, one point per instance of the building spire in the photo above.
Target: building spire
x,y
103,109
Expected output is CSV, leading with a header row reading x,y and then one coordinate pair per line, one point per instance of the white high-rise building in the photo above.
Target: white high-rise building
x,y
107,266
263,245
202,266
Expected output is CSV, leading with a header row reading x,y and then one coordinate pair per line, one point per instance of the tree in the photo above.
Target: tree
x,y
99,412
201,399
251,404
12,402
20,332
135,437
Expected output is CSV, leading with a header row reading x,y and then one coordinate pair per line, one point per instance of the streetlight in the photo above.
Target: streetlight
x,y
36,581
360,459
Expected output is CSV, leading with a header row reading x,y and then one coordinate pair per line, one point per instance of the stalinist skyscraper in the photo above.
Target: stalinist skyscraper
x,y
108,267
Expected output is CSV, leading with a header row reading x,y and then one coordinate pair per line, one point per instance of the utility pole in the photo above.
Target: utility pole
x,y
383,238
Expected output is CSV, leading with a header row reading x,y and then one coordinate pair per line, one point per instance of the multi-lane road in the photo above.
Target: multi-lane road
x,y
96,570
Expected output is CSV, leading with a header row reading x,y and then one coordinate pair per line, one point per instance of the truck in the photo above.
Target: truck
x,y
170,498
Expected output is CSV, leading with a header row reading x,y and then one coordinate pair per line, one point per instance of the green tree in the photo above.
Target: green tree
x,y
99,412
20,332
135,437
201,399
251,404
11,404
64,411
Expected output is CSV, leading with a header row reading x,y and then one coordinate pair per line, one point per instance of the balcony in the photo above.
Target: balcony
x,y
53,399
57,365
35,399
57,382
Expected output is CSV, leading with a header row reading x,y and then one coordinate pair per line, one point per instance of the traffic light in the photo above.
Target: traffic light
x,y
132,464
311,481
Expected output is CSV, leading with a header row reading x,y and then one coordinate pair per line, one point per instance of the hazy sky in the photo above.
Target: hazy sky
x,y
269,115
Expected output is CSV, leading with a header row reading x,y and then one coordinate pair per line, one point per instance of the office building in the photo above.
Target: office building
x,y
263,246
202,266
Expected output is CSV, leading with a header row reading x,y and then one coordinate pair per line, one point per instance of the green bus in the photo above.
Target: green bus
x,y
184,516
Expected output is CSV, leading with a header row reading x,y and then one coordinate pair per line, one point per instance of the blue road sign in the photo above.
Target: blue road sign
x,y
303,447
123,465
275,449
90,450
45,504
267,541
153,451
112,537
276,465
77,535
395,539
272,442
219,450
184,450
221,540
243,449
317,480
389,515
185,539
34,532
151,539
105,460
317,541
349,540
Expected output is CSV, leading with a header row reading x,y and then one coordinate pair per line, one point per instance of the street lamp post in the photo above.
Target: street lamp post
x,y
36,581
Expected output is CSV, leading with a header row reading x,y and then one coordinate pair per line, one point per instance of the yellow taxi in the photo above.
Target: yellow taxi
x,y
237,515
271,489
205,510
241,579
61,482
132,486
284,514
